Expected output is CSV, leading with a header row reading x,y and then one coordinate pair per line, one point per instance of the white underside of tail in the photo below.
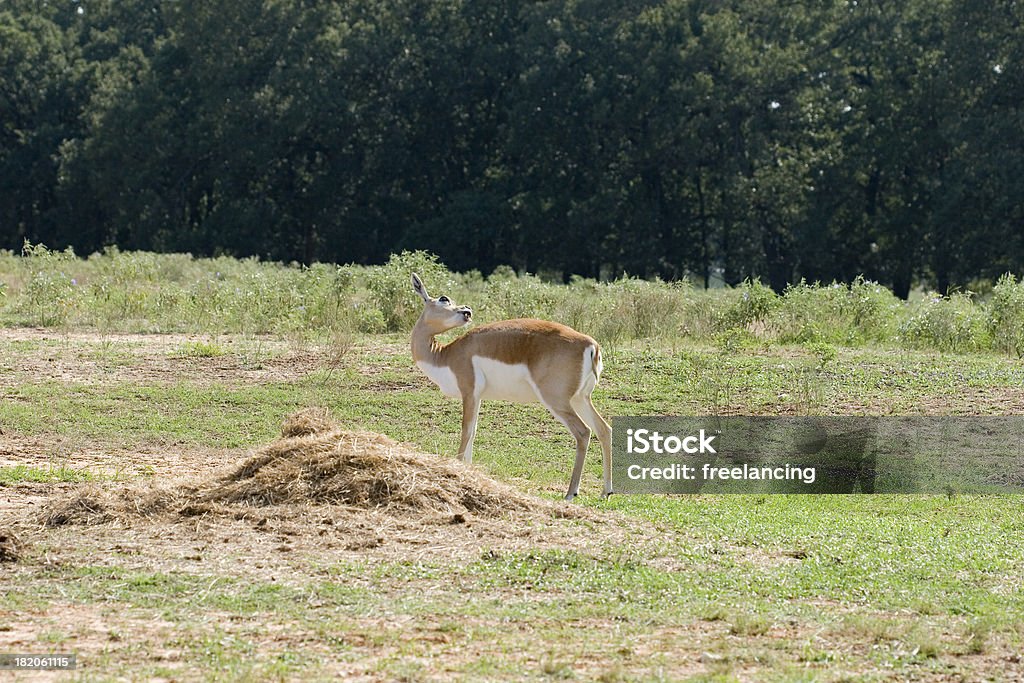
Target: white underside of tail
x,y
590,374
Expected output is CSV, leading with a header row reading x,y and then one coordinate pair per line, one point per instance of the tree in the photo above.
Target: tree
x,y
39,112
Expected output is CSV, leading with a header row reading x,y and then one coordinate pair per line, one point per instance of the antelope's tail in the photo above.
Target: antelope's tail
x,y
596,365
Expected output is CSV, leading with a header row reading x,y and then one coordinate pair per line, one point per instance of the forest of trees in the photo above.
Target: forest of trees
x,y
699,138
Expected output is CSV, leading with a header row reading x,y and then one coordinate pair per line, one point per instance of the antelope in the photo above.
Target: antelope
x,y
522,360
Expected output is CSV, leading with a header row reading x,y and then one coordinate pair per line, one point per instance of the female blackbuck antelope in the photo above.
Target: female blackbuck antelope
x,y
527,361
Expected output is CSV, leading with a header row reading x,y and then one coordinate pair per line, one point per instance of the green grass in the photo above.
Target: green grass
x,y
514,440
200,349
12,474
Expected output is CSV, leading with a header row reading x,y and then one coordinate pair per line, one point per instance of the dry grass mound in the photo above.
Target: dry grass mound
x,y
315,462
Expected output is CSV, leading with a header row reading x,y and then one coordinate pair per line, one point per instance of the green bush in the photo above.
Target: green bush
x,y
121,284
699,316
391,293
874,310
1006,315
51,294
754,302
850,315
950,323
524,296
652,307
582,306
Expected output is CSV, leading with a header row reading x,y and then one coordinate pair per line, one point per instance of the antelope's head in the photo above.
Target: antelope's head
x,y
440,314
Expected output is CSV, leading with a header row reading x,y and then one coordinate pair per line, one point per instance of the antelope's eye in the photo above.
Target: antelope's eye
x,y
443,300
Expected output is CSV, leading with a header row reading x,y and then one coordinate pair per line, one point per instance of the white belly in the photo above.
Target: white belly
x,y
443,377
504,381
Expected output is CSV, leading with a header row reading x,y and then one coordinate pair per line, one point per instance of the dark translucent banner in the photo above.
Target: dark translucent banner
x,y
818,454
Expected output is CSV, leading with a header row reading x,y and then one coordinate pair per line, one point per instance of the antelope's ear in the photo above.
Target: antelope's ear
x,y
417,284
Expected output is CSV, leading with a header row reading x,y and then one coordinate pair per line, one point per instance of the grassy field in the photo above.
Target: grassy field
x,y
705,588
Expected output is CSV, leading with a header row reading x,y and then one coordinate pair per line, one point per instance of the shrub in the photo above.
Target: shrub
x,y
583,305
1006,315
525,296
122,285
650,309
851,315
391,293
754,303
51,293
823,351
874,309
138,291
950,323
699,316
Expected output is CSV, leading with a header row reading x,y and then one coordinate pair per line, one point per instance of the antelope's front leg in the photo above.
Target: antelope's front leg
x,y
470,413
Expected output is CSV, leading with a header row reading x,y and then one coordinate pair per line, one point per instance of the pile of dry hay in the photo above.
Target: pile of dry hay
x,y
316,462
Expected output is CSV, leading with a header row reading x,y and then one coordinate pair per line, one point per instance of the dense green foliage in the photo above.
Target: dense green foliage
x,y
118,291
734,139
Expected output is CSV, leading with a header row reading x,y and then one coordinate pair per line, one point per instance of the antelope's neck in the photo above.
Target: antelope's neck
x,y
425,348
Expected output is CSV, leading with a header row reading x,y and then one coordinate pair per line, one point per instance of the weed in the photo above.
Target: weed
x,y
873,628
553,667
391,294
52,294
524,297
922,642
200,349
754,303
824,352
979,635
743,624
850,315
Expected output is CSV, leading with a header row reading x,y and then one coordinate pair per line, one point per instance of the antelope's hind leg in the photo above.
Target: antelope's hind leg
x,y
588,413
581,433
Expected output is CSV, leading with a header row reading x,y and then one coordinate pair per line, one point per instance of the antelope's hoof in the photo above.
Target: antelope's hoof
x,y
569,496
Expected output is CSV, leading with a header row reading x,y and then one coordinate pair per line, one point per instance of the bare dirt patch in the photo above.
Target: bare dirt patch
x,y
91,358
104,459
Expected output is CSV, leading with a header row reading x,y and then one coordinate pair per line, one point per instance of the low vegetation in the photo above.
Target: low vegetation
x,y
144,292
